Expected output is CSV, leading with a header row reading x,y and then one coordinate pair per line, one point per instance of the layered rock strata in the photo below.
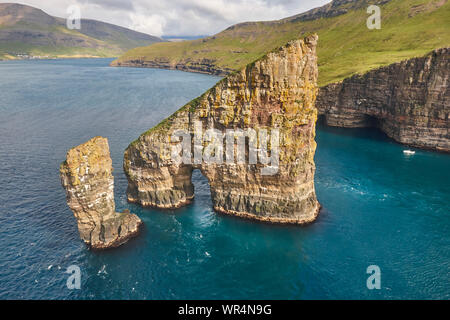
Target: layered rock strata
x,y
206,66
409,101
273,95
86,175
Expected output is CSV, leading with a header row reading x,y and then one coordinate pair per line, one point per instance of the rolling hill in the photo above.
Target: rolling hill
x,y
26,31
409,28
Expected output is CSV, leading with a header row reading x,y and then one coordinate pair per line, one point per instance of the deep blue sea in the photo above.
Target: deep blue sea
x,y
380,207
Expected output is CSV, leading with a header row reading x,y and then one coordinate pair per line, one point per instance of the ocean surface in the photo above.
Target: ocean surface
x,y
380,207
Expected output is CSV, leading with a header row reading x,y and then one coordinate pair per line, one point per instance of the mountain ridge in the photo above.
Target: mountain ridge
x,y
410,28
27,31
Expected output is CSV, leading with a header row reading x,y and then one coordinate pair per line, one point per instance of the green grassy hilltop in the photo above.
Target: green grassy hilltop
x,y
346,46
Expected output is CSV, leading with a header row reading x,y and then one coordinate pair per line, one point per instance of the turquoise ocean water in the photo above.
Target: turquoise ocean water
x,y
380,207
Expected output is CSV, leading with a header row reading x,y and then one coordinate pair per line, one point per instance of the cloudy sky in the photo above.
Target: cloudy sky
x,y
177,17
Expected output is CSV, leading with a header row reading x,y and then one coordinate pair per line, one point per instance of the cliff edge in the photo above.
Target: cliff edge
x,y
86,175
409,101
227,134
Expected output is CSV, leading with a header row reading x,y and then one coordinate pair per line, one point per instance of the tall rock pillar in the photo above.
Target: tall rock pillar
x,y
86,175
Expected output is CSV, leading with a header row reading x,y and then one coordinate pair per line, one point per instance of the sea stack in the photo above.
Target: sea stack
x,y
274,95
86,175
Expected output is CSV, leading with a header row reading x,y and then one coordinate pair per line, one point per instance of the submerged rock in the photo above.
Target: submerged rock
x,y
409,101
275,94
86,175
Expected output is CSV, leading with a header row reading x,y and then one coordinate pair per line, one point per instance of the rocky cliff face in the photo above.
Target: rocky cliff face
x,y
86,175
276,94
409,101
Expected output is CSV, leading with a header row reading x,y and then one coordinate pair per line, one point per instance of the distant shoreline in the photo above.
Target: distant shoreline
x,y
58,58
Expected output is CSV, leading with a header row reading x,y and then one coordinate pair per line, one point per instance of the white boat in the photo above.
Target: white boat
x,y
409,152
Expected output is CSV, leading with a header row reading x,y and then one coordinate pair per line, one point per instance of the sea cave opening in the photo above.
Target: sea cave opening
x,y
202,190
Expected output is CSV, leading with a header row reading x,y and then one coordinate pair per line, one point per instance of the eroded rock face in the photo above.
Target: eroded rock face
x,y
409,101
275,93
86,175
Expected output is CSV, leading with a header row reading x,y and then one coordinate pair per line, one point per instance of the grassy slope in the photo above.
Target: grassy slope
x,y
409,28
100,39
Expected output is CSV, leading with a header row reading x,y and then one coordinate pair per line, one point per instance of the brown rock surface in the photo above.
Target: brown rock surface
x,y
86,175
276,92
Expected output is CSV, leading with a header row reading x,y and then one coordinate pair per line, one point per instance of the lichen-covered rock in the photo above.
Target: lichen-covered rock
x,y
86,175
275,93
409,101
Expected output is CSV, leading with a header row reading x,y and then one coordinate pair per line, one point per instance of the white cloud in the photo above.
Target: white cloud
x,y
178,17
153,24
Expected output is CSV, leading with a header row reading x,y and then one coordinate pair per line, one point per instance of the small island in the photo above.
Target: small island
x,y
86,175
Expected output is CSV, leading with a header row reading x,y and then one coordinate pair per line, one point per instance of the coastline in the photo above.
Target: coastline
x,y
63,57
210,69
384,195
